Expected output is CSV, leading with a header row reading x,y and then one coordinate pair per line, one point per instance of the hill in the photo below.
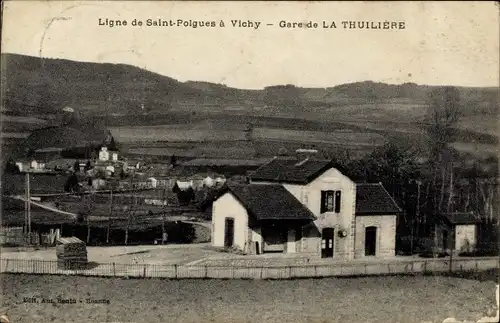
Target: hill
x,y
119,95
37,86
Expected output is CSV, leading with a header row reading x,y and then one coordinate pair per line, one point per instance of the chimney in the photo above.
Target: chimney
x,y
303,155
302,162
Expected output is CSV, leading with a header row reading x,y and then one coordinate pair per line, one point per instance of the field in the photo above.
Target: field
x,y
373,299
359,128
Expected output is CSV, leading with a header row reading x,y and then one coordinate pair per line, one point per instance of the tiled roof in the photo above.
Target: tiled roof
x,y
372,198
270,202
461,218
225,162
291,170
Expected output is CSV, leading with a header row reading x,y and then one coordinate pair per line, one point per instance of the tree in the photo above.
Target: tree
x,y
185,196
443,112
112,144
76,166
87,167
173,160
71,185
11,167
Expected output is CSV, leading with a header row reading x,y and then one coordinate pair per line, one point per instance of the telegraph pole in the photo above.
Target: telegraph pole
x,y
28,204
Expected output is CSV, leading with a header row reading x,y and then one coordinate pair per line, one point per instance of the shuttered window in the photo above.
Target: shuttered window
x,y
330,201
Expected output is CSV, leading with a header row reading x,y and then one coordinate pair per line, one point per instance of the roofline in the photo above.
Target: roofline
x,y
376,213
464,223
392,199
444,218
328,165
227,189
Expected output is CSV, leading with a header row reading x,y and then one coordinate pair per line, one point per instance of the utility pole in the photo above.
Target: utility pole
x,y
417,216
109,217
28,204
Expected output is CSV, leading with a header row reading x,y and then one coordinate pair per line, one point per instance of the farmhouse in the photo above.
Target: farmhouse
x,y
307,207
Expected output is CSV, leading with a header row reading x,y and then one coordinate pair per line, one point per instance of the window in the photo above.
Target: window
x,y
330,201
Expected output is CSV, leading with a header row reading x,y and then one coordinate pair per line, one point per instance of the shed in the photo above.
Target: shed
x,y
458,231
71,253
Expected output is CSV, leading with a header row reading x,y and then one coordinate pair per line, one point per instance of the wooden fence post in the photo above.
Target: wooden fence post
x,y
425,266
175,271
144,272
476,265
261,272
114,270
206,271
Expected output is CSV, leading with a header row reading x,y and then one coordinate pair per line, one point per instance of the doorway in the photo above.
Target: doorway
x,y
370,241
327,243
229,232
445,239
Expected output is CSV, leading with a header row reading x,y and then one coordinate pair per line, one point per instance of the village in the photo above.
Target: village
x,y
296,209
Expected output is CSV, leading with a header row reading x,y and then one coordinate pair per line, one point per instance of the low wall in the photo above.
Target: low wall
x,y
284,272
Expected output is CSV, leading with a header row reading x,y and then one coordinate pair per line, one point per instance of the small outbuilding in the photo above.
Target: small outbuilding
x,y
458,231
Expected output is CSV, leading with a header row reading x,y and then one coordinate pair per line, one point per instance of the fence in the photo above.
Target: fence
x,y
16,236
30,266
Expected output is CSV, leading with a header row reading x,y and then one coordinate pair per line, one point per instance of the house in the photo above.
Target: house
x,y
152,182
219,181
21,166
110,170
182,186
34,164
31,166
98,183
308,207
457,231
208,181
105,155
197,181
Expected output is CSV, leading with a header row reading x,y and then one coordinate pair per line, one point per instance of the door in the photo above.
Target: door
x,y
229,232
327,243
445,239
370,241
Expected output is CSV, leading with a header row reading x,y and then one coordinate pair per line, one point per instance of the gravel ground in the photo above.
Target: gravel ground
x,y
370,299
154,254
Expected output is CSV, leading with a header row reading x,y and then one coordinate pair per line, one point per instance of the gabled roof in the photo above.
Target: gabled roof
x,y
291,170
270,202
461,218
373,198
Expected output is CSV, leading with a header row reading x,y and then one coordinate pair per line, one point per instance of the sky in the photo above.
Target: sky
x,y
443,43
